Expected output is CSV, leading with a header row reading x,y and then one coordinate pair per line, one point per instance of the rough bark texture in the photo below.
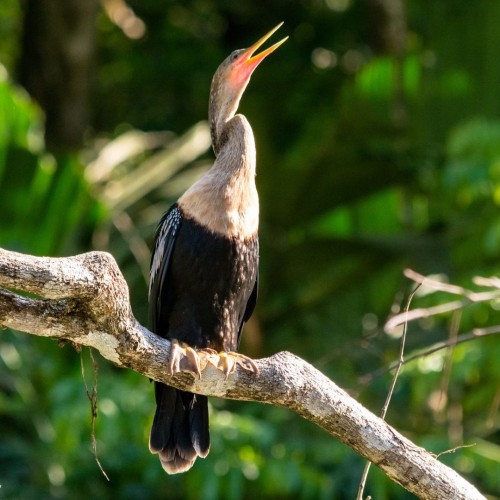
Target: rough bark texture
x,y
85,299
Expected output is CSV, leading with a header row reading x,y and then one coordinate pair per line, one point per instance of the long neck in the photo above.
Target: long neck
x,y
225,199
222,106
236,155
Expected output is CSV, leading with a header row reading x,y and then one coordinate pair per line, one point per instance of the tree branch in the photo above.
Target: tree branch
x,y
85,299
469,297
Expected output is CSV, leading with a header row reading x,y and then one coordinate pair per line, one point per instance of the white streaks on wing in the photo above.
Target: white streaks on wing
x,y
166,231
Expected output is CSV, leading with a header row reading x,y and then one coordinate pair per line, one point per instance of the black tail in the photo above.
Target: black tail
x,y
180,428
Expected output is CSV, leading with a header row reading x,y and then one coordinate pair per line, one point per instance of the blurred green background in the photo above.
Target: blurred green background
x,y
378,137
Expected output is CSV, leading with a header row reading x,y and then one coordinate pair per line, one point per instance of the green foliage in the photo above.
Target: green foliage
x,y
367,163
44,198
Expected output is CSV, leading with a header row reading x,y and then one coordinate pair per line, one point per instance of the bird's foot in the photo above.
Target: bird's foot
x,y
182,358
226,362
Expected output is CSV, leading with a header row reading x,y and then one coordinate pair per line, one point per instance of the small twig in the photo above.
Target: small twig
x,y
401,360
452,342
468,298
457,290
438,346
92,396
453,450
492,282
436,284
383,413
425,312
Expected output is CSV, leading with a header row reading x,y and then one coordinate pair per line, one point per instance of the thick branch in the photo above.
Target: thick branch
x,y
85,299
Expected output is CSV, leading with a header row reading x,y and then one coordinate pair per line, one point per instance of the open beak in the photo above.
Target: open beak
x,y
254,61
248,61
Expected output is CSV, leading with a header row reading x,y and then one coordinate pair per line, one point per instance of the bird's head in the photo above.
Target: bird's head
x,y
231,79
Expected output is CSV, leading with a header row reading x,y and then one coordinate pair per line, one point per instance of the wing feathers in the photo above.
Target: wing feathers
x,y
160,260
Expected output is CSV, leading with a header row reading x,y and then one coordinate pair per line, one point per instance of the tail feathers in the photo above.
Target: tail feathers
x,y
180,431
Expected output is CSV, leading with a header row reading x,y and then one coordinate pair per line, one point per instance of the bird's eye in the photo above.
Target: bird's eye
x,y
234,56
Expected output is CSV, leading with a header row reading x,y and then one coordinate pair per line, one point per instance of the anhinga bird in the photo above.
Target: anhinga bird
x,y
204,267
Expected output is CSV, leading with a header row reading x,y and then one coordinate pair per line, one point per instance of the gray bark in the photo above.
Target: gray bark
x,y
85,299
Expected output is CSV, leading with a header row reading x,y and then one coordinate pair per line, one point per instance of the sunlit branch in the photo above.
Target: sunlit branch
x,y
85,299
427,312
438,346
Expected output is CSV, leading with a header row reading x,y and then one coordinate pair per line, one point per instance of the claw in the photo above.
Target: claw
x,y
248,364
226,362
183,358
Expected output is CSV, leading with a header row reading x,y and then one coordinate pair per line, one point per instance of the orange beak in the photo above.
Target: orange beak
x,y
247,63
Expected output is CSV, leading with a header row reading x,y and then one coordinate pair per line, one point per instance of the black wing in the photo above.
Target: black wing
x,y
252,301
165,236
